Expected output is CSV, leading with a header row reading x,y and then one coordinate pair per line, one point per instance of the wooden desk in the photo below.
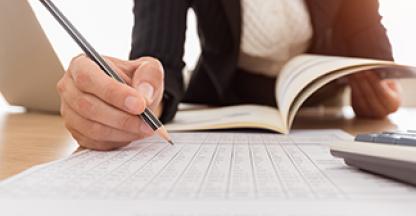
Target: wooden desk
x,y
28,139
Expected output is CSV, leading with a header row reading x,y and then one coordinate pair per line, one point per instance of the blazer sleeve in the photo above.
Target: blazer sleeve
x,y
363,31
159,31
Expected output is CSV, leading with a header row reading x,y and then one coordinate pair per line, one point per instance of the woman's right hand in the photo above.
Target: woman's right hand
x,y
100,112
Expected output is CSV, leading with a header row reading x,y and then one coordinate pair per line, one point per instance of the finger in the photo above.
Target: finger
x,y
389,97
357,99
89,78
394,85
130,66
96,145
121,67
374,103
148,80
94,130
127,66
92,108
363,108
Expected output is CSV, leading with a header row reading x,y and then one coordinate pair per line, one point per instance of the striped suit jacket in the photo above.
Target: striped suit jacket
x,y
341,27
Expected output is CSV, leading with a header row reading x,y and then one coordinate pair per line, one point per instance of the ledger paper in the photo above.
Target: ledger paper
x,y
229,166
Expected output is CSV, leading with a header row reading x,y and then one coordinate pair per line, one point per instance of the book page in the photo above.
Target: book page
x,y
305,69
316,85
209,174
243,116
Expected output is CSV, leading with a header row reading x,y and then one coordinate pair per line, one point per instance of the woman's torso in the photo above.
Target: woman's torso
x,y
273,32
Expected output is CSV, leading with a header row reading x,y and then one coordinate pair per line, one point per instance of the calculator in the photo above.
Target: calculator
x,y
394,138
391,154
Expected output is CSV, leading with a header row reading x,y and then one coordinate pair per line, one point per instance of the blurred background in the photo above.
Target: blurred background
x,y
107,25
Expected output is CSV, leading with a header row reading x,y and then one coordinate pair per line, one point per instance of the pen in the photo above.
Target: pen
x,y
147,115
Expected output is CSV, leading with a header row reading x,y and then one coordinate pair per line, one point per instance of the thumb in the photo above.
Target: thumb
x,y
148,80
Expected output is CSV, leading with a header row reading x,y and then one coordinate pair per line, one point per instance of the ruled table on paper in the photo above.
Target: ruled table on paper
x,y
201,166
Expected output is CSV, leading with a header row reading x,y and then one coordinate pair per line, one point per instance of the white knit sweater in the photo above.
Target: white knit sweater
x,y
273,32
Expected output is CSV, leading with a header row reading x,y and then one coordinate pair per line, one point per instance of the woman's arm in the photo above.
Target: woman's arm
x,y
365,36
159,32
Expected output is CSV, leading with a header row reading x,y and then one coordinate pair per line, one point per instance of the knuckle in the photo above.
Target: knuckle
x,y
156,64
60,86
82,79
77,59
75,62
95,131
126,122
111,91
85,105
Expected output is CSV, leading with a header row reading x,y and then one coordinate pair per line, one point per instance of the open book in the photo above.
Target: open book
x,y
298,80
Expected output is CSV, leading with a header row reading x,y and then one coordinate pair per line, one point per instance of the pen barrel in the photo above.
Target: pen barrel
x,y
80,40
150,119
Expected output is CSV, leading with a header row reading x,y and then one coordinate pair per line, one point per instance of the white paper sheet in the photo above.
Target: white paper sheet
x,y
211,172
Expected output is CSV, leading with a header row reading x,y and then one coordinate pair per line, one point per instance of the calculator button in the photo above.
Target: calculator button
x,y
410,141
387,138
366,137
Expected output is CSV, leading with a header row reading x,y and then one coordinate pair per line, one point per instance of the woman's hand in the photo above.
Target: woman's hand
x,y
372,97
100,112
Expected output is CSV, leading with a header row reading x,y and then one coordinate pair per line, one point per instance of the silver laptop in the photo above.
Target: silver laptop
x,y
29,68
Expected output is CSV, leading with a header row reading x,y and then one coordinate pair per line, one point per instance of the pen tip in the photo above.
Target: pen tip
x,y
171,142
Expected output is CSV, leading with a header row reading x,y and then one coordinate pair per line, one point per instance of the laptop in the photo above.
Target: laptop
x,y
29,67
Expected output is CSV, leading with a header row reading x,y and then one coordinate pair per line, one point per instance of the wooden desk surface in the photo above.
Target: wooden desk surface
x,y
28,139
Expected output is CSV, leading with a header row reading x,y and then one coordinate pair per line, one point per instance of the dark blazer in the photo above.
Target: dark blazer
x,y
341,27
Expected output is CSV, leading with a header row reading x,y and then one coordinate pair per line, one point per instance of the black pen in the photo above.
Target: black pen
x,y
147,115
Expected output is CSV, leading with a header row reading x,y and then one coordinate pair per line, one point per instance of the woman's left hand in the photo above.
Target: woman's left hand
x,y
372,97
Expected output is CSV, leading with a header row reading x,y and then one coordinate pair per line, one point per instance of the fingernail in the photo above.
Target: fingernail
x,y
147,90
144,128
132,103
